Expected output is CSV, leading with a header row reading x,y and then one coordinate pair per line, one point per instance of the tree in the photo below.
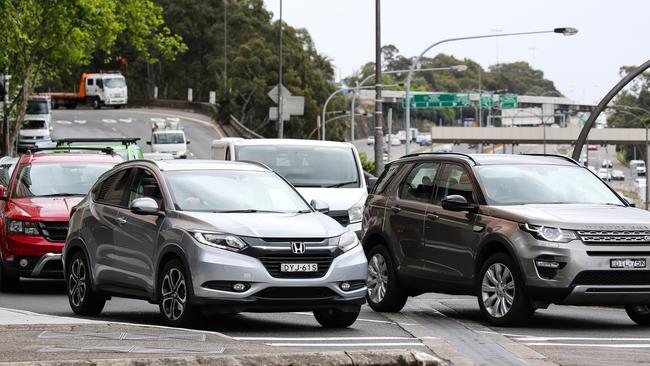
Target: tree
x,y
44,38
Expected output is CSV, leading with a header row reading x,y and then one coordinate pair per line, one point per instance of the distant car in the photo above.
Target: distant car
x,y
639,182
606,163
446,148
425,142
394,140
158,156
618,175
638,167
604,174
592,148
371,140
423,137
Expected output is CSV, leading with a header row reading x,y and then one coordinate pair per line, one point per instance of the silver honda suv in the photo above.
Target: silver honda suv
x,y
199,237
519,232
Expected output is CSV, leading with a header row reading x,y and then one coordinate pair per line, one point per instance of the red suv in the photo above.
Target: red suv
x,y
35,210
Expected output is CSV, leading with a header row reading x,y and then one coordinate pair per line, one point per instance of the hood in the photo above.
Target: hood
x,y
264,225
42,208
339,199
576,216
35,132
162,148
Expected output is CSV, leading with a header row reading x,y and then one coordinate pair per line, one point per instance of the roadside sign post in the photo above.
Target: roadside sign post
x,y
292,105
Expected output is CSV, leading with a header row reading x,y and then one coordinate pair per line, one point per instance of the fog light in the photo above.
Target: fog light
x,y
345,286
239,287
546,264
23,263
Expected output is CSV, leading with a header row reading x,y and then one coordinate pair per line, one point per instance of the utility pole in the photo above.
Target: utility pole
x,y
280,120
225,46
379,133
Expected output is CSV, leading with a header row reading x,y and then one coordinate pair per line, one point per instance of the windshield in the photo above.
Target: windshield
x,y
543,184
33,125
57,179
168,138
228,191
38,107
114,83
307,166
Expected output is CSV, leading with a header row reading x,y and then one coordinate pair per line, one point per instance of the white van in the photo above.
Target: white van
x,y
323,170
37,125
638,167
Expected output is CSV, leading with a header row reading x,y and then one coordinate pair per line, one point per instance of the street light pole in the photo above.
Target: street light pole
x,y
566,31
341,90
280,120
379,133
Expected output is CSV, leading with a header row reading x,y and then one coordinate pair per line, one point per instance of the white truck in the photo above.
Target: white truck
x,y
638,167
97,90
37,125
167,136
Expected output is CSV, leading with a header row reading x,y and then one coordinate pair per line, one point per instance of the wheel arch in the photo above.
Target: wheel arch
x,y
491,245
170,252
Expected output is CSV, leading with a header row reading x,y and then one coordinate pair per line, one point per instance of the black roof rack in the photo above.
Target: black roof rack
x,y
105,150
468,156
557,156
124,140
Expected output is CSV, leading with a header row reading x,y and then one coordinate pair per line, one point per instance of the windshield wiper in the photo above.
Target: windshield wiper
x,y
61,195
249,210
337,185
309,185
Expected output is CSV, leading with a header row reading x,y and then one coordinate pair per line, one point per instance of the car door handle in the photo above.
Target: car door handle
x,y
120,221
396,209
432,216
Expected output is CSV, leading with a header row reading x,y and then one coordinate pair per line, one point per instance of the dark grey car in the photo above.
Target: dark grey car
x,y
210,236
519,232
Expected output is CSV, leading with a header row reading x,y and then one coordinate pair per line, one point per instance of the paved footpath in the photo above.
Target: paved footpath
x,y
31,338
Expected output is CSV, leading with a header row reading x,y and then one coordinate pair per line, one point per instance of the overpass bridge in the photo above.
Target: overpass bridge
x,y
537,135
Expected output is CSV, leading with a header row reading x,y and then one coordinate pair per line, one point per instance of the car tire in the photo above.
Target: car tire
x,y
83,300
8,282
500,292
175,296
384,292
335,318
639,314
97,104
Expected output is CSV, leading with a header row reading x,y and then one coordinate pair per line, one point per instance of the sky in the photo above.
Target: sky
x,y
584,67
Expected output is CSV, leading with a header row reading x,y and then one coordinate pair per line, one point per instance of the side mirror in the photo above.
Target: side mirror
x,y
148,142
371,182
145,206
456,202
187,142
320,206
2,192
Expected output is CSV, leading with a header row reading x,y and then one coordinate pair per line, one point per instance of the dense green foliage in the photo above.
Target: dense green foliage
x,y
45,38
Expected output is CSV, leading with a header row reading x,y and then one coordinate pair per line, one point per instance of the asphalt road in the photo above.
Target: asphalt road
x,y
134,122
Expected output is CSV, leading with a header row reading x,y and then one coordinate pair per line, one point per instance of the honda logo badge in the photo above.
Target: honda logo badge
x,y
297,247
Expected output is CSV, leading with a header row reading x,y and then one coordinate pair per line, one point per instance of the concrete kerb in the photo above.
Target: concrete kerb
x,y
340,358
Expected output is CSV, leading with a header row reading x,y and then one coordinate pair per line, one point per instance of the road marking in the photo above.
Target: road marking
x,y
344,345
80,121
604,339
126,120
108,120
173,119
156,119
64,122
594,345
216,128
321,338
114,129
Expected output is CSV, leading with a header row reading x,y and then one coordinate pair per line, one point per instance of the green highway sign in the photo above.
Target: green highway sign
x,y
438,100
487,101
508,101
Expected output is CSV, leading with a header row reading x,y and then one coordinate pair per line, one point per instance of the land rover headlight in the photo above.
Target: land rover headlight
x,y
552,234
355,212
348,241
219,240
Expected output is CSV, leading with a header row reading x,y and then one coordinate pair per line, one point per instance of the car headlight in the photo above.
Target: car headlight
x,y
355,212
348,241
553,234
22,227
219,240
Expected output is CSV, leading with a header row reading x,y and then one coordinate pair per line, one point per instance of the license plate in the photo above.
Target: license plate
x,y
627,263
299,267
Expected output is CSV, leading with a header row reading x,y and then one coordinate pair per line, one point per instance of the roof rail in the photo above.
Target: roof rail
x,y
105,150
124,140
468,156
557,156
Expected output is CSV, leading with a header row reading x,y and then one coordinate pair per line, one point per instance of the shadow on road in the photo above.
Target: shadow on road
x,y
40,287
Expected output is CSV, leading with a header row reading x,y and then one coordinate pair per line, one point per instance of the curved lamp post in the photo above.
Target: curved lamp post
x,y
567,31
343,90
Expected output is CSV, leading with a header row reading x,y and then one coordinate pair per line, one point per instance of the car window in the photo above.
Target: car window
x,y
453,179
145,185
418,185
111,191
5,174
385,178
90,81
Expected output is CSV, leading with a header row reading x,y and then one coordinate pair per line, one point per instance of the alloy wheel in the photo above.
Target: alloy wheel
x,y
377,278
174,294
498,290
77,282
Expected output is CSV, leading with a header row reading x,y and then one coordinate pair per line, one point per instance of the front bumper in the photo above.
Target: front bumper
x,y
49,265
585,276
267,293
116,101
